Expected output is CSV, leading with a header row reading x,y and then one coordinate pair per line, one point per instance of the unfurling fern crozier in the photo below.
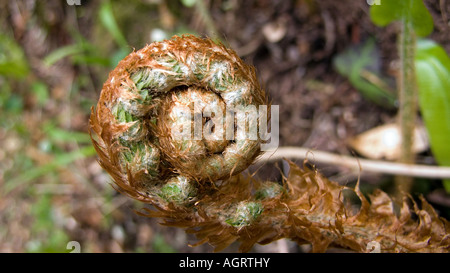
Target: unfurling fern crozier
x,y
161,89
174,128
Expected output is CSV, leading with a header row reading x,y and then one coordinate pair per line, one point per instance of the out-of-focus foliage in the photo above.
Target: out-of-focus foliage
x,y
361,65
109,22
432,71
55,238
433,78
13,66
53,57
12,59
413,11
188,3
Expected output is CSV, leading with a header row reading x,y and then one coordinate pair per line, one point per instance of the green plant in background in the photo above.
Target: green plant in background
x,y
423,80
81,52
424,69
12,59
160,245
47,236
84,52
109,22
411,13
37,152
22,93
433,78
414,20
202,10
361,65
13,67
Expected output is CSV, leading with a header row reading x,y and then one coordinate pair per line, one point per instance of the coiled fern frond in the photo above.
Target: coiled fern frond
x,y
195,182
163,87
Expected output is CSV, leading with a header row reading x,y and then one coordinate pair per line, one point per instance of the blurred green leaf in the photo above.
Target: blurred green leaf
x,y
10,102
433,77
81,52
361,65
189,3
42,212
47,236
413,11
91,59
14,104
40,90
12,59
58,162
108,20
91,53
61,53
118,56
59,135
161,246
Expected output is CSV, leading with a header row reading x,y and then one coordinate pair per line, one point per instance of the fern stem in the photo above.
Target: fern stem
x,y
407,101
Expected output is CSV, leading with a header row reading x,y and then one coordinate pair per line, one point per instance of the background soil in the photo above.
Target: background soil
x,y
292,45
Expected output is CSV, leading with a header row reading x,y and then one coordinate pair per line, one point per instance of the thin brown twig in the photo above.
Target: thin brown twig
x,y
377,166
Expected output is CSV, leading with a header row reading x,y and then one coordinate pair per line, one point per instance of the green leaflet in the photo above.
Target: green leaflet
x,y
107,18
178,190
61,53
246,213
413,11
433,78
269,190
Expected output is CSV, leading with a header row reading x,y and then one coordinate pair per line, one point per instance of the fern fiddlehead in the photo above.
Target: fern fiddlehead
x,y
160,89
155,95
